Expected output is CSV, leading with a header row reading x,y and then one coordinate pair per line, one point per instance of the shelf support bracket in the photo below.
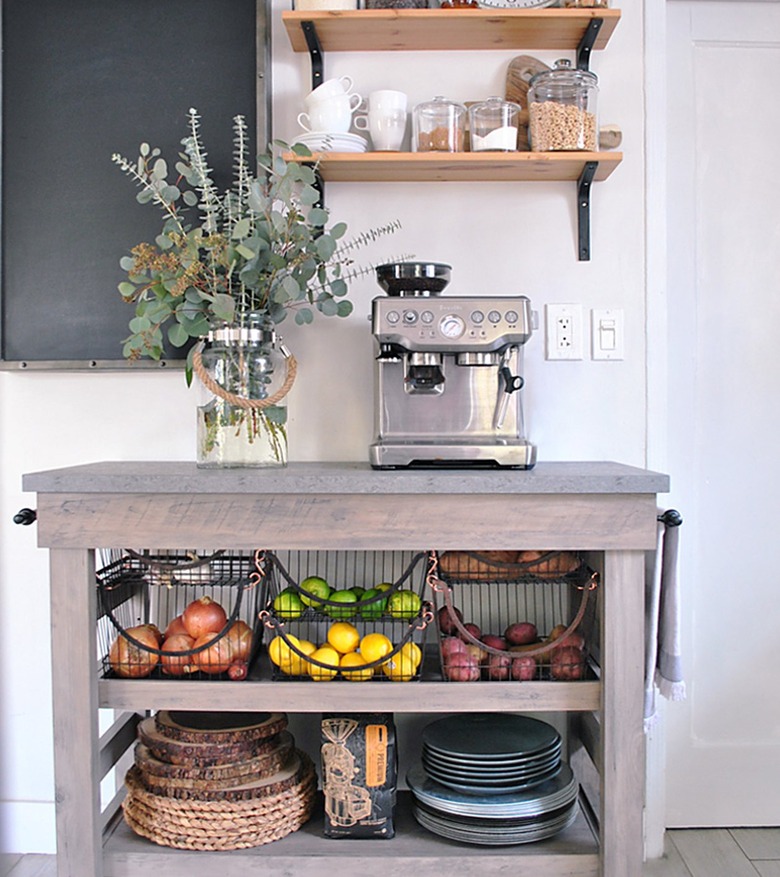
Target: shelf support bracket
x,y
587,42
315,52
583,209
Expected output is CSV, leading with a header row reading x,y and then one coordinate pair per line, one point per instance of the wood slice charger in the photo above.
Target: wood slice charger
x,y
216,781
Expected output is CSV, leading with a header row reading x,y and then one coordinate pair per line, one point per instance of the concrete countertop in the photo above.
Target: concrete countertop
x,y
345,478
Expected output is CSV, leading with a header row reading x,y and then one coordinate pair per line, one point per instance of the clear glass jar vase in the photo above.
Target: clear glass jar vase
x,y
562,109
244,373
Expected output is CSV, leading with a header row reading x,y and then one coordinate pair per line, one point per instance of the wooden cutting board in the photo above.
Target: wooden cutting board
x,y
518,76
214,727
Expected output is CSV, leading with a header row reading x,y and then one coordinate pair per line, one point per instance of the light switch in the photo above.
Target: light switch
x,y
607,333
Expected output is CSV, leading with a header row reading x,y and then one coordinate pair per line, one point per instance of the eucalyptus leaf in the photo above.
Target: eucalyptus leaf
x,y
163,241
326,247
276,414
127,263
160,169
245,252
338,287
178,335
144,149
126,290
223,307
171,193
318,216
304,316
140,324
328,307
241,229
344,308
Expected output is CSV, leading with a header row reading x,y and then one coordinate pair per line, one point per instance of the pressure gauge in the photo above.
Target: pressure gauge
x,y
452,326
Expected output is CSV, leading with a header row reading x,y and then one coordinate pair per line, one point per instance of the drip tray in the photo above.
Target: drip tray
x,y
516,454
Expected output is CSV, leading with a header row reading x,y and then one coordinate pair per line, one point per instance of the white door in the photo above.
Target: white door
x,y
723,743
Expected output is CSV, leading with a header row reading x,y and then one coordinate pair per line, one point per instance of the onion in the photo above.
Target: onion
x,y
237,670
178,665
240,636
175,627
129,660
215,659
203,615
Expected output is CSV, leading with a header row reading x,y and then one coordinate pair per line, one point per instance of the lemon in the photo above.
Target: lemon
x,y
343,636
374,646
327,655
298,666
412,653
356,660
278,650
403,665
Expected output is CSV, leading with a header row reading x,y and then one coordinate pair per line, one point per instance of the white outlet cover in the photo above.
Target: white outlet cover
x,y
563,331
607,333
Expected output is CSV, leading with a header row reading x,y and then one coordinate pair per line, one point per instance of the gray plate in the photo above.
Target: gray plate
x,y
544,798
467,769
489,736
485,788
519,762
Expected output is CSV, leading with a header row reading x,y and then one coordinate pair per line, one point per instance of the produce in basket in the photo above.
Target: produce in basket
x,y
203,615
127,659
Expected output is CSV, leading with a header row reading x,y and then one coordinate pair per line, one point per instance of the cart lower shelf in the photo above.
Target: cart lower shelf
x,y
307,853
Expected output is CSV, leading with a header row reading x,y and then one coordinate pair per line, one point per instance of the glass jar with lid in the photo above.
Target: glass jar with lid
x,y
439,125
493,125
562,109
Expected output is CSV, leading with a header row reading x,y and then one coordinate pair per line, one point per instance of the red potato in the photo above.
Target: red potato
x,y
499,667
567,663
451,645
462,668
575,638
493,641
524,668
521,633
480,655
446,624
473,629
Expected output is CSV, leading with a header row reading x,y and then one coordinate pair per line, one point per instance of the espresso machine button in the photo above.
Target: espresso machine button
x,y
426,317
494,317
393,317
477,317
410,317
512,317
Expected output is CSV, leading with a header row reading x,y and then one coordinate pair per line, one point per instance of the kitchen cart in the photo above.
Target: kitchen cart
x,y
605,509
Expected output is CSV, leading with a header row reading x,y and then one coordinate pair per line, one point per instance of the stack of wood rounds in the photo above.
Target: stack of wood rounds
x,y
217,781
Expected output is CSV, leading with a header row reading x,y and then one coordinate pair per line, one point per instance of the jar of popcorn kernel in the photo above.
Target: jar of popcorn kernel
x,y
562,109
438,125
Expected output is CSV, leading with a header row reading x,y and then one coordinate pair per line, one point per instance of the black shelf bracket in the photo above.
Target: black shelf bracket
x,y
587,42
315,53
583,209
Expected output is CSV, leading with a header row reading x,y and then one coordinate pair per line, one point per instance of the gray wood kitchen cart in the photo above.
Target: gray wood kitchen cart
x,y
607,510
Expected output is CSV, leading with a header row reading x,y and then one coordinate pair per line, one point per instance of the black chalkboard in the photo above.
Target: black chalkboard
x,y
81,80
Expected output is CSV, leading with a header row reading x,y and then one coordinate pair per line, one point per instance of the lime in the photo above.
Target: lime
x,y
346,611
404,604
358,591
288,604
373,610
384,586
316,586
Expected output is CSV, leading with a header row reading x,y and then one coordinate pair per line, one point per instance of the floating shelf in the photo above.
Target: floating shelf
x,y
420,167
394,30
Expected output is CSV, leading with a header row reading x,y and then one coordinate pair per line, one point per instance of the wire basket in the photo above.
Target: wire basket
x,y
500,620
307,610
142,599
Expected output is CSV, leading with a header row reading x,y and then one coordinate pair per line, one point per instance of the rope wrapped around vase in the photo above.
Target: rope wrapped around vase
x,y
291,370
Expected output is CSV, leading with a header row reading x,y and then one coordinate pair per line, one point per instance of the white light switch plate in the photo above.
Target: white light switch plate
x,y
607,333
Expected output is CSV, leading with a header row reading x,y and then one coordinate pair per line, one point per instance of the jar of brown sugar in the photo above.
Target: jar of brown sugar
x,y
438,125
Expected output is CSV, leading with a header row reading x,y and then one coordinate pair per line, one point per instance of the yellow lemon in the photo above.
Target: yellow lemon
x,y
375,646
411,653
361,673
298,666
327,655
343,636
397,670
278,650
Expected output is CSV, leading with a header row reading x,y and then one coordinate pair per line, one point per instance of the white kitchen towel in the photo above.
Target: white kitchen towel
x,y
663,654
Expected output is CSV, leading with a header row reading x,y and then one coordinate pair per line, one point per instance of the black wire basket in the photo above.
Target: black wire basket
x,y
303,615
142,601
500,619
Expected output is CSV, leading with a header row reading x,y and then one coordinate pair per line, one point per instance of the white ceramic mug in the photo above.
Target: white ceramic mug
x,y
332,115
385,120
329,88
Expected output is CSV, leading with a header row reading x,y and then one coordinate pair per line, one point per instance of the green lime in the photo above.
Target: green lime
x,y
288,604
384,586
316,586
346,611
373,610
404,604
358,591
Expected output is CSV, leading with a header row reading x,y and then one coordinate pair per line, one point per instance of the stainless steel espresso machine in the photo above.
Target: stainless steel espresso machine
x,y
448,373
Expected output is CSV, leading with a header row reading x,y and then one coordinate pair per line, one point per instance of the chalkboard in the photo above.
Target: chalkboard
x,y
81,80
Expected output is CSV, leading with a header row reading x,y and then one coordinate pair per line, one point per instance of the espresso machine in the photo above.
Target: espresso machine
x,y
448,374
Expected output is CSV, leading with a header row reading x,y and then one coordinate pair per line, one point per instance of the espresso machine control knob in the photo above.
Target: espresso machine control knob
x,y
410,317
452,326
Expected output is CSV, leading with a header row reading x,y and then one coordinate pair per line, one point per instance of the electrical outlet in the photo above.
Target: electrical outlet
x,y
563,329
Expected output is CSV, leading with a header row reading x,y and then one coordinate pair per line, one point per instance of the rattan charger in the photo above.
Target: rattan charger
x,y
220,825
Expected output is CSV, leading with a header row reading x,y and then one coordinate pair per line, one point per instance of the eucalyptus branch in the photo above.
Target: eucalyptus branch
x,y
140,180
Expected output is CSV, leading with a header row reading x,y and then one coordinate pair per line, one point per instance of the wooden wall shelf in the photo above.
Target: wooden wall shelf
x,y
394,30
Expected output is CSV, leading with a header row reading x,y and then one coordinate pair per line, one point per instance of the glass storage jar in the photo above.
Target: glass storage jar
x,y
562,109
438,125
493,125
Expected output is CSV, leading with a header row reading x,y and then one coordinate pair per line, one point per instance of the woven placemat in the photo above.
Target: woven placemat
x,y
220,825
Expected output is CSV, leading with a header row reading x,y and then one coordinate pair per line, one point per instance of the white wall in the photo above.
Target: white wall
x,y
499,238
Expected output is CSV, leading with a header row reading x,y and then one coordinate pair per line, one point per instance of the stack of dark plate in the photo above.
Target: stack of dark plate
x,y
492,779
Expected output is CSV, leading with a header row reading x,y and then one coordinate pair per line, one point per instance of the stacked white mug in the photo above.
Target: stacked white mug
x,y
385,120
329,107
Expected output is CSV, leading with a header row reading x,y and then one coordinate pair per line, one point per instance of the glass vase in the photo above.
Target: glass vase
x,y
244,377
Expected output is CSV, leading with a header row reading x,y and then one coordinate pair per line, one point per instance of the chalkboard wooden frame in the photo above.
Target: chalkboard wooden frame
x,y
83,80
